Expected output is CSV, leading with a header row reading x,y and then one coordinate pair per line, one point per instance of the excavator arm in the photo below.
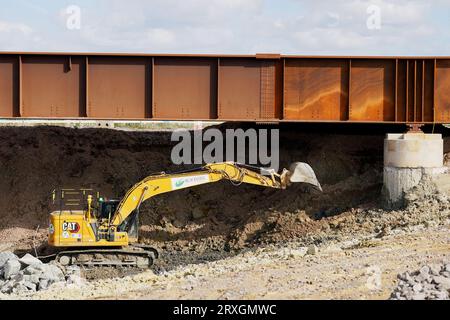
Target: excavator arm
x,y
234,172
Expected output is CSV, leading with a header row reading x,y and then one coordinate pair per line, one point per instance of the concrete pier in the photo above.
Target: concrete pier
x,y
409,158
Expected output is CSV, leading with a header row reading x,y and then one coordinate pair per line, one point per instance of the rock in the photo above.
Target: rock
x,y
73,270
312,249
75,279
421,278
429,283
435,269
396,295
418,296
297,253
424,271
34,278
19,288
18,277
37,276
52,273
404,276
29,260
442,281
442,198
178,223
424,279
197,213
447,267
7,287
334,248
441,295
11,268
31,270
5,256
29,285
417,287
43,284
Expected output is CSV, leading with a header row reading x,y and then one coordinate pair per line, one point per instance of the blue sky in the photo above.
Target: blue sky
x,y
320,27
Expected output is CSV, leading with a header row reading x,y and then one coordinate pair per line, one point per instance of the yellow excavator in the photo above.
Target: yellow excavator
x,y
105,232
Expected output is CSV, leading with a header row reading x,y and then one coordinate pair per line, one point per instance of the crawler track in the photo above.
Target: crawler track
x,y
140,257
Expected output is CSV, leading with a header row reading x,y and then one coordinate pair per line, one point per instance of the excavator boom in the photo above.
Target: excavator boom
x,y
234,172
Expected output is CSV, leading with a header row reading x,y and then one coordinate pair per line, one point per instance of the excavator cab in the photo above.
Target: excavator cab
x,y
106,208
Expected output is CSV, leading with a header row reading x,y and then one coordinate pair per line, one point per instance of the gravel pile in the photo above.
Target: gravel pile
x,y
29,274
431,282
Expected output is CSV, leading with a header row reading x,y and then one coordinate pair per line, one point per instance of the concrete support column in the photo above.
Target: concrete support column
x,y
408,158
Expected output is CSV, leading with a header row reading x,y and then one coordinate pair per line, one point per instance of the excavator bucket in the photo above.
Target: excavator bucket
x,y
302,172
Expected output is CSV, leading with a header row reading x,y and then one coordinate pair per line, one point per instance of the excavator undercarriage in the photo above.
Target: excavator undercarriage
x,y
130,256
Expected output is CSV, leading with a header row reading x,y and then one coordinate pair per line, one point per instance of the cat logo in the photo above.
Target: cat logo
x,y
72,227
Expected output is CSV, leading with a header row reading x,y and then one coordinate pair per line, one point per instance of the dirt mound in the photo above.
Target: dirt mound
x,y
34,161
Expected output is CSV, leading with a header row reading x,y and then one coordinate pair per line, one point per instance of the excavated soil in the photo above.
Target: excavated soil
x,y
212,220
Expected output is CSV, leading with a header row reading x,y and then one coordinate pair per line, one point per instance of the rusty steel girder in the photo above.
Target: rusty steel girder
x,y
261,87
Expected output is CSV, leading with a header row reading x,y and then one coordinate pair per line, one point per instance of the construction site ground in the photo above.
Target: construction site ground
x,y
225,242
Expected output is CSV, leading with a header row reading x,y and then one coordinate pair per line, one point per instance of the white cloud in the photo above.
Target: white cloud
x,y
321,38
158,36
14,36
241,26
339,27
10,27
